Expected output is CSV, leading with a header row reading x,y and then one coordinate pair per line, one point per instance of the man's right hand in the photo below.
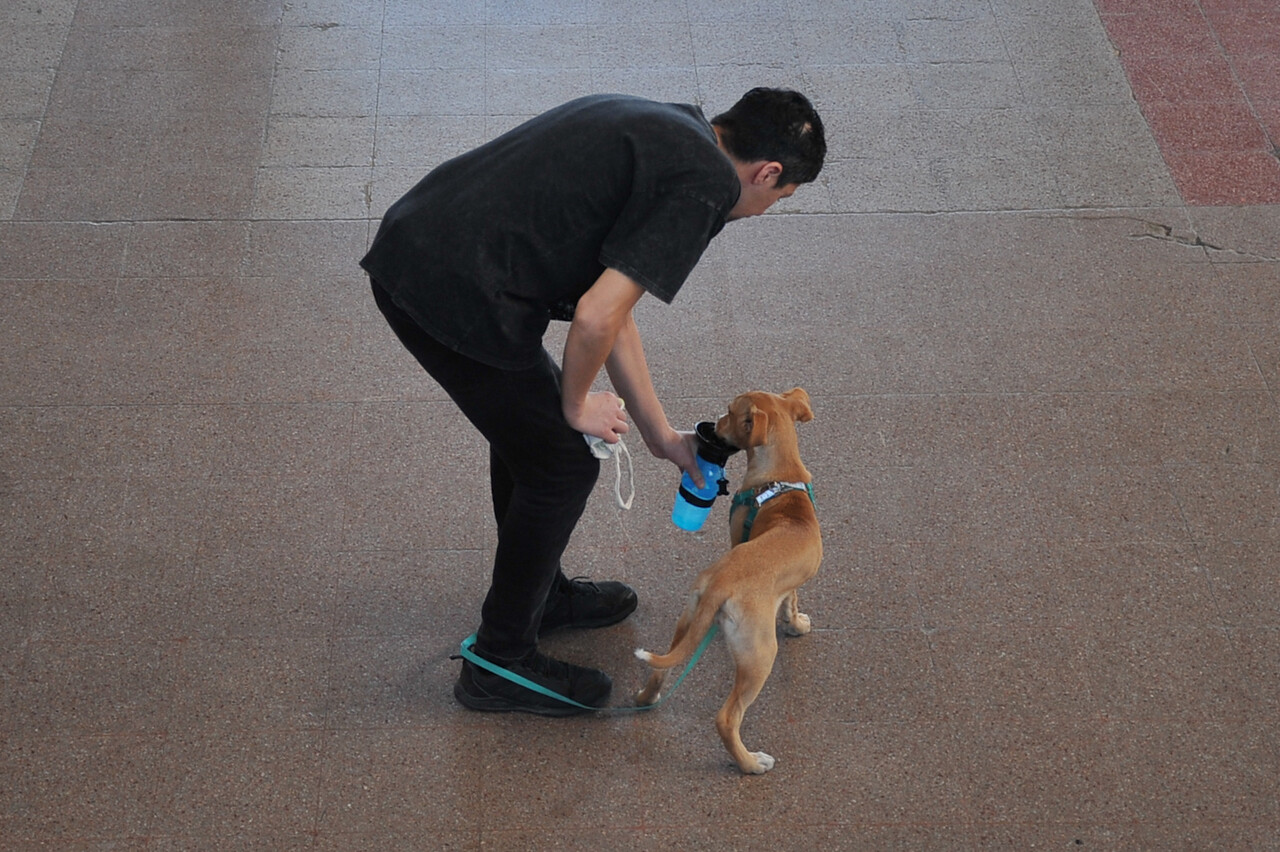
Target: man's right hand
x,y
601,415
679,448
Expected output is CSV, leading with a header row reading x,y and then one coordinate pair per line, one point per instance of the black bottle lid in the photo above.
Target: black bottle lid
x,y
711,446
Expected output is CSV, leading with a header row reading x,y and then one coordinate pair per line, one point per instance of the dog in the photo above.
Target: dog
x,y
776,548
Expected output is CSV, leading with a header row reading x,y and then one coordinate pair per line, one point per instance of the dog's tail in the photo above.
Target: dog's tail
x,y
704,615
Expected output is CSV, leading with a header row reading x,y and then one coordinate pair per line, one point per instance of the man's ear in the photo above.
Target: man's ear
x,y
767,174
798,401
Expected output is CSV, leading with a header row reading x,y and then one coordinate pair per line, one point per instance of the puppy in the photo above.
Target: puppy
x,y
776,547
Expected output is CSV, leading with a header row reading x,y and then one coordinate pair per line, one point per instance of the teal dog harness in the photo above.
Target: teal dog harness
x,y
754,498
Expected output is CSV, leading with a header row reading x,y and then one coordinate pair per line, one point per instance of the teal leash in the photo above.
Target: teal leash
x,y
473,658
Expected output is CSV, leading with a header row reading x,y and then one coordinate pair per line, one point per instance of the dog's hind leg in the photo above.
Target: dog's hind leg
x,y
754,647
652,690
794,622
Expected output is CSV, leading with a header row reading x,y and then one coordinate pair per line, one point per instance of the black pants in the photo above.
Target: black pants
x,y
540,473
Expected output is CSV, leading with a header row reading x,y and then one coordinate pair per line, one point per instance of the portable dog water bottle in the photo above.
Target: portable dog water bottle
x,y
693,504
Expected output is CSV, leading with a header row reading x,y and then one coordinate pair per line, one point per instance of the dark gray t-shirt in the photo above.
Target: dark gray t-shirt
x,y
490,246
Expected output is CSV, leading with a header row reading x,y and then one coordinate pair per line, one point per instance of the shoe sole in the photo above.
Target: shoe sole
x,y
496,704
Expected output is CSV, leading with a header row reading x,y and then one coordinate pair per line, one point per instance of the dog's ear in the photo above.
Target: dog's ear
x,y
798,403
755,427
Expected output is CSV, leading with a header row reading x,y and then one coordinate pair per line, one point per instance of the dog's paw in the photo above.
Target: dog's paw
x,y
798,626
763,763
644,698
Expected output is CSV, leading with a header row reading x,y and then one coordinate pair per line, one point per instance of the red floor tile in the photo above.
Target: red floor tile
x,y
1206,74
1211,6
1205,126
1160,34
1247,33
1145,7
1219,178
1260,76
1270,115
1184,78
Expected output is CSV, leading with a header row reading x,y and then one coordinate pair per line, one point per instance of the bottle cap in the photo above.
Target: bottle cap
x,y
711,446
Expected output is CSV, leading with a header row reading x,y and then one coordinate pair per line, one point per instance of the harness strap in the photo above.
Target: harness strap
x,y
754,498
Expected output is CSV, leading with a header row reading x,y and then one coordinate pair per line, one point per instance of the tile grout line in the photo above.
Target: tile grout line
x,y
1235,76
256,185
1185,176
44,115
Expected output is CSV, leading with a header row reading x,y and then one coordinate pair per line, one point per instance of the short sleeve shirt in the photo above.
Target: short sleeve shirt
x,y
491,246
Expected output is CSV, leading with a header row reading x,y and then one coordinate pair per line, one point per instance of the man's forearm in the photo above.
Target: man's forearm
x,y
629,372
601,314
585,350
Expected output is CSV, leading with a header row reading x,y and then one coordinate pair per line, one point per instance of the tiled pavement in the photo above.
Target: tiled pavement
x,y
241,533
1207,75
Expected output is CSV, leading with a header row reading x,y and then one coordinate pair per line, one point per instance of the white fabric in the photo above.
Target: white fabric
x,y
602,449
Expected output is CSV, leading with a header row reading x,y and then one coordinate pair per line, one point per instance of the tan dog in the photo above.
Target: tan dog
x,y
777,546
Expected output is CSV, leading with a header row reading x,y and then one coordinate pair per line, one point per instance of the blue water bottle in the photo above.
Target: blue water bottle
x,y
693,504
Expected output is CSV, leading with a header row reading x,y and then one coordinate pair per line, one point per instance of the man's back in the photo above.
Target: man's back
x,y
486,246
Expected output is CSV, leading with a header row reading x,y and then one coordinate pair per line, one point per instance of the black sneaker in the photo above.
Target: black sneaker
x,y
587,604
480,689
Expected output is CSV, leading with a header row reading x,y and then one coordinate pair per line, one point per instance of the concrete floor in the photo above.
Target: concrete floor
x,y
1033,297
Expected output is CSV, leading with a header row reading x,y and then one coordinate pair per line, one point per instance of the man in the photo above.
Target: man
x,y
572,216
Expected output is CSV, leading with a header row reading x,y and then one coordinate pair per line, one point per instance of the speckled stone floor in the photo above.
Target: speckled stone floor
x,y
1033,297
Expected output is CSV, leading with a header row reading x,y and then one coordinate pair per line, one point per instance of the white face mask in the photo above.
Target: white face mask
x,y
602,449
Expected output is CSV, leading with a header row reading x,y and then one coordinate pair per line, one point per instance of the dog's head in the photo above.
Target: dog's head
x,y
753,415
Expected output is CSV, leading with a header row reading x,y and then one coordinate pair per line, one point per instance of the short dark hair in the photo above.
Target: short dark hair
x,y
777,125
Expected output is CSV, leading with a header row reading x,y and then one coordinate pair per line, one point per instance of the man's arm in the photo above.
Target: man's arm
x,y
629,373
600,315
604,334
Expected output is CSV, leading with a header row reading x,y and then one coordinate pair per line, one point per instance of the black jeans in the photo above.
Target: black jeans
x,y
540,473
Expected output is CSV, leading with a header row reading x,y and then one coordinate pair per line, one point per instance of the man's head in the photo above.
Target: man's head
x,y
776,140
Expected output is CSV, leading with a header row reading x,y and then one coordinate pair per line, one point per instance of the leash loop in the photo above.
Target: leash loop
x,y
475,659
